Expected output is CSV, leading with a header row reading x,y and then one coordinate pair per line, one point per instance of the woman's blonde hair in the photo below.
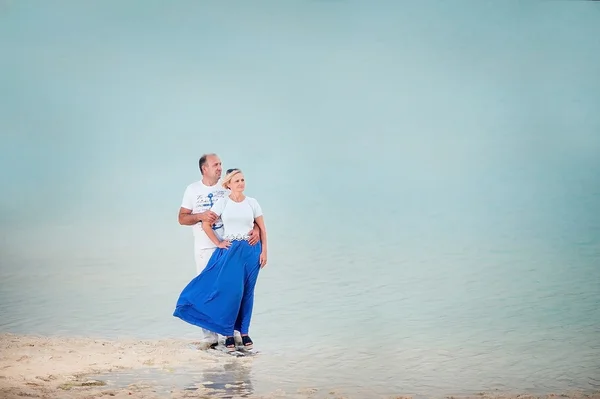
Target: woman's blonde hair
x,y
229,175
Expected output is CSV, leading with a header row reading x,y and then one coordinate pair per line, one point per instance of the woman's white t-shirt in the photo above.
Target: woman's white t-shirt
x,y
238,217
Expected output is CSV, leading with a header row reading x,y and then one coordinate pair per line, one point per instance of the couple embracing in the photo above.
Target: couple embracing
x,y
230,247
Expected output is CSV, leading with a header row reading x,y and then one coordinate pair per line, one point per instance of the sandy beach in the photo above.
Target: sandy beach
x,y
52,367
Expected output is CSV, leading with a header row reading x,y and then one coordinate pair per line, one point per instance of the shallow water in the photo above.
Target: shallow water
x,y
426,330
225,381
429,174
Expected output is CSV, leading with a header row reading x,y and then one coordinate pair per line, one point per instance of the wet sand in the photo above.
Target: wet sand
x,y
53,367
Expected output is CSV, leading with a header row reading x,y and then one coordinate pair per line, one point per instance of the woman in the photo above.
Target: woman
x,y
220,299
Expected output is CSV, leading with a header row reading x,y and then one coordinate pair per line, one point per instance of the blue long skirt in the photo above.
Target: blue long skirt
x,y
220,299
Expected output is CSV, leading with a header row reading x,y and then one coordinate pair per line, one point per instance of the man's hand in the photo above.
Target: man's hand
x,y
187,218
254,235
207,216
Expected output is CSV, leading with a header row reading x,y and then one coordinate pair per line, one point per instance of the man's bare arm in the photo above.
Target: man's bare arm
x,y
186,218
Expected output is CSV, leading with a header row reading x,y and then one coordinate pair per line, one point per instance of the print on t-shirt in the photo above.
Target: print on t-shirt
x,y
205,202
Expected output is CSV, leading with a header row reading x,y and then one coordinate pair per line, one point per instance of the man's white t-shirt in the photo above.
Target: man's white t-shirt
x,y
238,217
200,198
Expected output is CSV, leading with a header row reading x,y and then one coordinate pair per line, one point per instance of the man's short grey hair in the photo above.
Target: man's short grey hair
x,y
202,161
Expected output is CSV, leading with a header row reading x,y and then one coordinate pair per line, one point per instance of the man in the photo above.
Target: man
x,y
198,198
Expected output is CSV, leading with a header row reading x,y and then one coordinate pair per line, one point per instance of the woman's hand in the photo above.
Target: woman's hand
x,y
263,259
224,244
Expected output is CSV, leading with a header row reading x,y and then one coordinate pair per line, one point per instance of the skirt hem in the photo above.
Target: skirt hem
x,y
186,313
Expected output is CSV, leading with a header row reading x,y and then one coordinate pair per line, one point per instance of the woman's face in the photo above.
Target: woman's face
x,y
237,183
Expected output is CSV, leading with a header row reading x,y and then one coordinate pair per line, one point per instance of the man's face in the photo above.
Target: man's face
x,y
212,167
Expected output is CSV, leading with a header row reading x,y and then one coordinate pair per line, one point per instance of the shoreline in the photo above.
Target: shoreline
x,y
55,367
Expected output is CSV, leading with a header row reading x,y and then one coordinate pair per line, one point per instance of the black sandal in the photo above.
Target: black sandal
x,y
247,342
230,344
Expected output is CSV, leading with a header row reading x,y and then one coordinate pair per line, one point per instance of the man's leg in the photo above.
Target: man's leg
x,y
202,256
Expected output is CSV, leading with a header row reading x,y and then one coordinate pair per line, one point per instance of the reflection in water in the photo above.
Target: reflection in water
x,y
231,380
223,380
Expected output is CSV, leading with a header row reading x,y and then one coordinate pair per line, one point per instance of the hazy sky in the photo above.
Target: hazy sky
x,y
105,106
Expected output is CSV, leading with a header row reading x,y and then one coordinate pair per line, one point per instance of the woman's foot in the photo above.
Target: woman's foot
x,y
230,344
247,342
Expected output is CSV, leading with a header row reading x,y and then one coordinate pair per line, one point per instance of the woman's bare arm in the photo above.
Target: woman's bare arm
x,y
207,227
